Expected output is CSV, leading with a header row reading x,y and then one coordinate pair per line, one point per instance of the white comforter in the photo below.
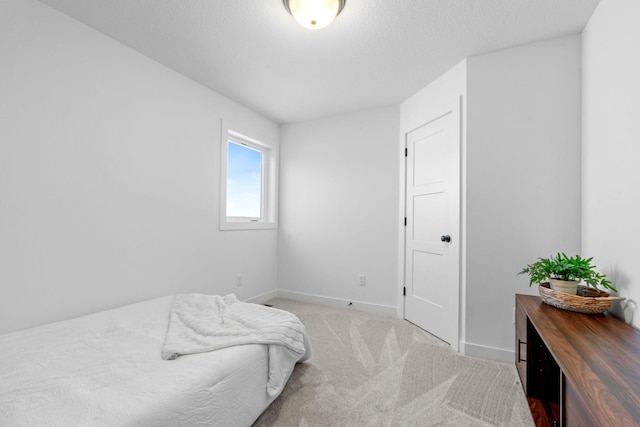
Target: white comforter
x,y
105,369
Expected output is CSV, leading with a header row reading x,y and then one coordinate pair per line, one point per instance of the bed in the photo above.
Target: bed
x,y
106,369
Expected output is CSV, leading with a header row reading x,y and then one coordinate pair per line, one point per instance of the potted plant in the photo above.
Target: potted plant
x,y
565,273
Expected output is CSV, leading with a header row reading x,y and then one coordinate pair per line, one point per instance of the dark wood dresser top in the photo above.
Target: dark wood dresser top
x,y
598,354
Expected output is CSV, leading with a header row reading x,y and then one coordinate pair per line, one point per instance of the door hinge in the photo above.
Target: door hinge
x,y
406,152
404,291
405,221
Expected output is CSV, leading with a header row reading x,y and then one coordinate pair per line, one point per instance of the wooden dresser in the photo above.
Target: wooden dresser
x,y
577,369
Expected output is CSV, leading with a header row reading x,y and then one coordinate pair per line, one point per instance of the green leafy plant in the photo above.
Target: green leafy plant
x,y
563,267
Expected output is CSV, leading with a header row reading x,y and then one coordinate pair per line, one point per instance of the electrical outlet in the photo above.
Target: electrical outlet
x,y
363,280
239,280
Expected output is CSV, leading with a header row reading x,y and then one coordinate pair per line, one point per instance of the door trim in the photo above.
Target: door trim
x,y
457,104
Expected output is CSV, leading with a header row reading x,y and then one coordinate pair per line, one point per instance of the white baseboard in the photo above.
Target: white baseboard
x,y
385,310
259,299
486,352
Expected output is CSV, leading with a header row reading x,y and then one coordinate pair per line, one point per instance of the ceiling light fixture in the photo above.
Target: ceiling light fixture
x,y
314,14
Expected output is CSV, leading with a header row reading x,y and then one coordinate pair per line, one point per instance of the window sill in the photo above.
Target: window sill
x,y
246,225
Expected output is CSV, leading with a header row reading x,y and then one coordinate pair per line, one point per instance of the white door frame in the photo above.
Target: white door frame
x,y
459,102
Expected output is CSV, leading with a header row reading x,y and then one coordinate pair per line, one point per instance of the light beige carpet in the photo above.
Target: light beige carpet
x,y
369,370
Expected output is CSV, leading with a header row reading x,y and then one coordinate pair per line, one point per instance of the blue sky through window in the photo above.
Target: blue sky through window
x,y
244,181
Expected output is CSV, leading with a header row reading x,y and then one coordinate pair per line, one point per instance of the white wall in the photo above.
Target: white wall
x,y
521,122
338,210
611,148
523,178
109,176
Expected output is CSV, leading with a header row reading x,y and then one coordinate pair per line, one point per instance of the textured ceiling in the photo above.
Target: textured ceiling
x,y
376,53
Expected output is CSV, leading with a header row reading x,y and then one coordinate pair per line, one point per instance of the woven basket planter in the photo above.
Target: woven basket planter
x,y
587,300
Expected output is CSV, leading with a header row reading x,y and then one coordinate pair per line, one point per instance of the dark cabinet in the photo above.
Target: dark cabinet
x,y
577,369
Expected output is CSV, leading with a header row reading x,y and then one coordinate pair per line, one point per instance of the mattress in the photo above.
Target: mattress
x,y
105,369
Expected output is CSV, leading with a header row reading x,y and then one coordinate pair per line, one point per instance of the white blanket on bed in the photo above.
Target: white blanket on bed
x,y
201,323
105,370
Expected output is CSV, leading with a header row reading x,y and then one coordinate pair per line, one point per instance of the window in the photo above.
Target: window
x,y
245,167
248,182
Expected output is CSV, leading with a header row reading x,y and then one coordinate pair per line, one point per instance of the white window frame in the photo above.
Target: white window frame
x,y
269,199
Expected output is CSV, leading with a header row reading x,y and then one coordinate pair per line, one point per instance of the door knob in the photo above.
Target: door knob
x,y
445,238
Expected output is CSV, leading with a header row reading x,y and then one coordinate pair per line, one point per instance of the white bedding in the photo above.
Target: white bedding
x,y
105,369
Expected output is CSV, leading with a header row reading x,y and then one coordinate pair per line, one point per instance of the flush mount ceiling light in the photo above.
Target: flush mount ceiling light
x,y
314,14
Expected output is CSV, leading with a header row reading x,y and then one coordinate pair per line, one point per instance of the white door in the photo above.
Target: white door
x,y
432,232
